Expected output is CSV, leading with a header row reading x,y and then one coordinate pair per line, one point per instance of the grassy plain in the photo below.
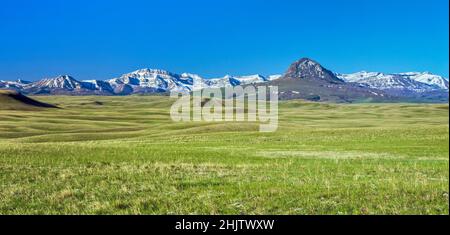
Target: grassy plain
x,y
124,155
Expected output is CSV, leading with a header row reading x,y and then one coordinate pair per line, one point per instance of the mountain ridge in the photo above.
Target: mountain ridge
x,y
315,77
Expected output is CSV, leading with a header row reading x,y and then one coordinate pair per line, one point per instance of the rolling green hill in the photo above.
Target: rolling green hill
x,y
124,155
13,100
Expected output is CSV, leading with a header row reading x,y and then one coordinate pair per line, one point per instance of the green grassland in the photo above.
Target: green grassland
x,y
124,155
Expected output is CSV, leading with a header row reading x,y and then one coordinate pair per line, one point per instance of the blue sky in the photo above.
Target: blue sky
x,y
104,39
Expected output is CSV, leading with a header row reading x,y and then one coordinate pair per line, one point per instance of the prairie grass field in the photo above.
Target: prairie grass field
x,y
124,155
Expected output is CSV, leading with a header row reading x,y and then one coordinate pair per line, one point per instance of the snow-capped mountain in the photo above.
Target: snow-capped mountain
x,y
63,84
229,80
139,81
14,85
305,78
60,82
428,78
256,78
412,82
160,80
225,81
154,79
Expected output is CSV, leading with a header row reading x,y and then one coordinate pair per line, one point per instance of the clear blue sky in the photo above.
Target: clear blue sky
x,y
104,39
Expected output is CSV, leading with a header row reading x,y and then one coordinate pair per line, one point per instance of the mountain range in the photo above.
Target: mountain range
x,y
304,79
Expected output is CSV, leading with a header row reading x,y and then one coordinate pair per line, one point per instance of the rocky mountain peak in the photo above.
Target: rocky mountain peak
x,y
306,68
